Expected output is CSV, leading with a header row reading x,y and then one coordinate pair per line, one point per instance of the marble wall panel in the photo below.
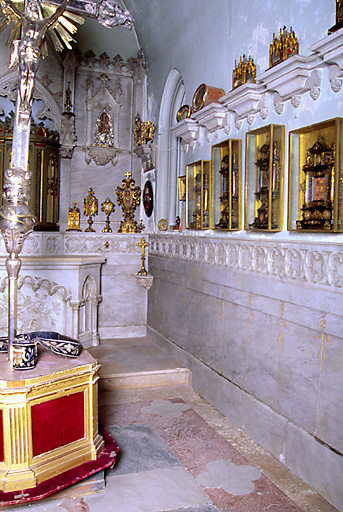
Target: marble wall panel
x,y
298,373
123,302
194,326
179,312
263,358
236,340
319,466
330,396
211,351
262,423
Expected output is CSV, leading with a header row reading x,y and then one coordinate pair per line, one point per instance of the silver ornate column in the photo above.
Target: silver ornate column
x,y
16,222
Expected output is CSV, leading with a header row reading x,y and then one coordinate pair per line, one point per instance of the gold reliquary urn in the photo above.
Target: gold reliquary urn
x,y
244,72
283,47
317,209
128,198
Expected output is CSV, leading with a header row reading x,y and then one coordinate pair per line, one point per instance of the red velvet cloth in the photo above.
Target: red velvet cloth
x,y
57,422
1,438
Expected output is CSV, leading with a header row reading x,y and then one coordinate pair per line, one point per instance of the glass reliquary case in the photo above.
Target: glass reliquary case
x,y
198,195
44,165
227,184
264,178
316,178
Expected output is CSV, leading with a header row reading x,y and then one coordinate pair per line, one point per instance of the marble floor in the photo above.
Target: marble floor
x,y
177,453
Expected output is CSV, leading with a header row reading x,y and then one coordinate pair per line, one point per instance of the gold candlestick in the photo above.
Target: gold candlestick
x,y
143,244
90,208
108,207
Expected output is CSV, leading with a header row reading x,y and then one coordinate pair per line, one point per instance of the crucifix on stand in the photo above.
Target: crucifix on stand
x,y
30,26
143,244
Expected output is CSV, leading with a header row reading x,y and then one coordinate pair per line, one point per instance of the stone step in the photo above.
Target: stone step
x,y
145,379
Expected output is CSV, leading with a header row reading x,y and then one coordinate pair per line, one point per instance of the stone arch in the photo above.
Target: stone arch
x,y
50,109
169,153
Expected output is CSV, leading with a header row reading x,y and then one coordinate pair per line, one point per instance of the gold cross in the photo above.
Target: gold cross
x,y
143,244
128,175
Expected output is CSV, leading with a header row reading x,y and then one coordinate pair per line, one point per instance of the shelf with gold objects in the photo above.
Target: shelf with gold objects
x,y
264,168
198,195
48,420
288,81
315,201
227,184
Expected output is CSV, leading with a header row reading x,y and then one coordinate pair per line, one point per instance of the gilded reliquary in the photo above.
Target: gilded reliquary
x,y
315,178
264,178
227,184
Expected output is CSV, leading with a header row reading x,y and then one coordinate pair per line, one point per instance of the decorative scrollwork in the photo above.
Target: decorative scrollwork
x,y
296,263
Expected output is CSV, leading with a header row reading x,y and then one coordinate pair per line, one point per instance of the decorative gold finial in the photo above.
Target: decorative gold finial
x,y
143,244
68,104
108,207
90,208
74,218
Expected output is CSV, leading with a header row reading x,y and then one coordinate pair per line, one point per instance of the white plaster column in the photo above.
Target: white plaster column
x,y
75,307
95,301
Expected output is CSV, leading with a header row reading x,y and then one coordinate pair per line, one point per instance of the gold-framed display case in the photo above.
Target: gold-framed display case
x,y
198,194
44,165
226,169
264,171
315,201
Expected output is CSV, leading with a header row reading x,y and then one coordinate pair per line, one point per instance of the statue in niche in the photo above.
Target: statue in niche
x,y
103,135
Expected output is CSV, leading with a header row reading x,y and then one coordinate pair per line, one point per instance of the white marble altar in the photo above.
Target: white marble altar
x,y
82,285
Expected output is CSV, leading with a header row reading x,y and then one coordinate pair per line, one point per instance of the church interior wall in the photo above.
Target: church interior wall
x,y
255,315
